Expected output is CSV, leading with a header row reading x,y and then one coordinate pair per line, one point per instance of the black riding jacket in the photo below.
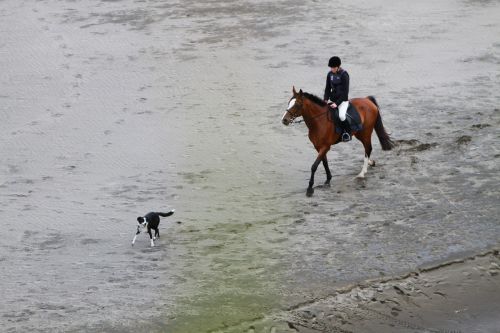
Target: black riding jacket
x,y
337,87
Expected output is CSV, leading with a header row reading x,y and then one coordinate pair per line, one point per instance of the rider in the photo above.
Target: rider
x,y
337,92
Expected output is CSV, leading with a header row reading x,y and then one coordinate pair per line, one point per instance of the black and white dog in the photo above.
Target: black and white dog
x,y
150,221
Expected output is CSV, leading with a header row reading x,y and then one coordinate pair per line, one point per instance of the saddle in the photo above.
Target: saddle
x,y
351,124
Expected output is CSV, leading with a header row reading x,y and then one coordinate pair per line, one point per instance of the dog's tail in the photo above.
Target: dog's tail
x,y
166,214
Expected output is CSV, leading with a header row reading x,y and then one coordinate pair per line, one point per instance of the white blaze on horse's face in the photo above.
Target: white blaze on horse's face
x,y
286,116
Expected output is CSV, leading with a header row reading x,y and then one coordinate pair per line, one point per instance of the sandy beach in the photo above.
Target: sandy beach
x,y
111,109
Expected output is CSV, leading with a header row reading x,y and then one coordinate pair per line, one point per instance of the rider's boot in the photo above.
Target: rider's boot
x,y
346,136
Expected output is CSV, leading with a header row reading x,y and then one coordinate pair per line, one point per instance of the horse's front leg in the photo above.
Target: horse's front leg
x,y
314,167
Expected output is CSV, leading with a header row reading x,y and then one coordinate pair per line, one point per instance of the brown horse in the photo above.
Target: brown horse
x,y
322,133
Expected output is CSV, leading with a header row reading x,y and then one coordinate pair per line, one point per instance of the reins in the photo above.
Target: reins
x,y
302,120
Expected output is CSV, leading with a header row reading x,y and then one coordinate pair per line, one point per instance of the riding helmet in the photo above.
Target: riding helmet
x,y
334,62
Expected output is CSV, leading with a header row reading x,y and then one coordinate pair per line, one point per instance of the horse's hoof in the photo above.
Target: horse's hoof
x,y
309,192
360,177
371,163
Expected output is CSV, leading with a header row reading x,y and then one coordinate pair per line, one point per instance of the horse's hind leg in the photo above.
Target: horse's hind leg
x,y
327,170
367,161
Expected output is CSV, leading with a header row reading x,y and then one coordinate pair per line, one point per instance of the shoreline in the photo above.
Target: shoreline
x,y
451,296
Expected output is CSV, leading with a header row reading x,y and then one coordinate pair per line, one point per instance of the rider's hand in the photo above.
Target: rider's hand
x,y
333,105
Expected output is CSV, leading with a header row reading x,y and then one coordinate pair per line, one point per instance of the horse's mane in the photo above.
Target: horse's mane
x,y
315,99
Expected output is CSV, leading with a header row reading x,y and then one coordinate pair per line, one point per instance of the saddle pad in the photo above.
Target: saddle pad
x,y
352,117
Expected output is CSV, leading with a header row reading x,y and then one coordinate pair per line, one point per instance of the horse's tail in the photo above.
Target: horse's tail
x,y
374,101
383,136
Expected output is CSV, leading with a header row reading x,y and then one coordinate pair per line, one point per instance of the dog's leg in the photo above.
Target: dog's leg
x,y
135,237
157,233
151,237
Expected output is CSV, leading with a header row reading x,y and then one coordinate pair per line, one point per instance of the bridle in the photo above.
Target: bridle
x,y
294,115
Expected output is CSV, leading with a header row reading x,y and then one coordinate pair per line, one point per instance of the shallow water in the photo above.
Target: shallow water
x,y
111,109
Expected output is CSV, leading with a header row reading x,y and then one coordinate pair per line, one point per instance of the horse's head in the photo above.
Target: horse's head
x,y
294,109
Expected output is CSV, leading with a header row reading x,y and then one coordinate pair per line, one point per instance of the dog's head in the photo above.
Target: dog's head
x,y
142,221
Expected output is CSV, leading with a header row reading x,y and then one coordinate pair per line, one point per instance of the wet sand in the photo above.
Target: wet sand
x,y
110,109
455,296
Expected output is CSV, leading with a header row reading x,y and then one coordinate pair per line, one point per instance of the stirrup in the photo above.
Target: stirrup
x,y
346,137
